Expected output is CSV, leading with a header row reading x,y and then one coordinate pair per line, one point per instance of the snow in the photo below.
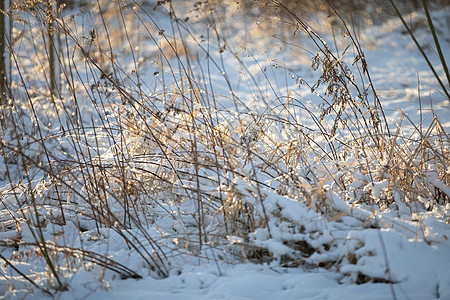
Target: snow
x,y
322,244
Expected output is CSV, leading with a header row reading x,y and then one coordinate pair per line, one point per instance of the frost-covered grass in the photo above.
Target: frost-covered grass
x,y
183,147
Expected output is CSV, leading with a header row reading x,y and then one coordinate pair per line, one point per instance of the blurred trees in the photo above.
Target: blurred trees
x,y
5,60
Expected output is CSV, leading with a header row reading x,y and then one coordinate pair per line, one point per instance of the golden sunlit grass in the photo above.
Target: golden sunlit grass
x,y
124,159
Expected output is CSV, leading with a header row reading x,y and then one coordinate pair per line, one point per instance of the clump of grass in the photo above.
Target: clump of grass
x,y
157,156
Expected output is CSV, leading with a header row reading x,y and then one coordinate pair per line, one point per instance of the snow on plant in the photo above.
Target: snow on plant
x,y
138,171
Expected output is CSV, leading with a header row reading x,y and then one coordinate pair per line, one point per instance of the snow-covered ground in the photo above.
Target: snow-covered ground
x,y
310,241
